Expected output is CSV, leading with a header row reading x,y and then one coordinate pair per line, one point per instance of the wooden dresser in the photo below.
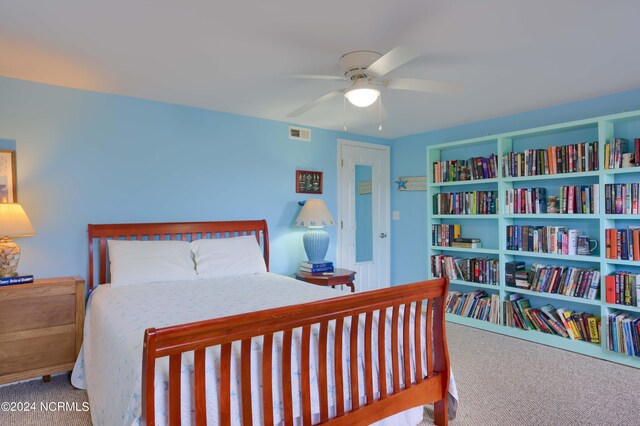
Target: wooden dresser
x,y
41,327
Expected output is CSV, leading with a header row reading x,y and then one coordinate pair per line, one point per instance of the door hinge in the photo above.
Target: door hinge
x,y
342,162
341,225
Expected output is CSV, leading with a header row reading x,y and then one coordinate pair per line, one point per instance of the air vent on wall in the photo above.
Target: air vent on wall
x,y
299,134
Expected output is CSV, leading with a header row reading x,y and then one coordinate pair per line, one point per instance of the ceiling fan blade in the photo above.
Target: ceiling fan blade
x,y
318,77
307,107
395,58
419,85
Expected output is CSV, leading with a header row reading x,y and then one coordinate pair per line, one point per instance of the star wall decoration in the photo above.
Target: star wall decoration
x,y
402,184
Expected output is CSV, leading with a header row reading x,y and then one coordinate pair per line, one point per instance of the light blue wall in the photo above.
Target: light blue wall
x,y
84,157
409,234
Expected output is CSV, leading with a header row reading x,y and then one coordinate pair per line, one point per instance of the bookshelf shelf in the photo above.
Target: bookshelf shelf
x,y
466,250
463,182
476,285
555,296
622,216
621,171
622,262
554,216
492,228
573,175
465,216
559,257
623,308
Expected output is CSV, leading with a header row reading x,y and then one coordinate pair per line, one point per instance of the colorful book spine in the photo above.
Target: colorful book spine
x,y
465,203
477,270
623,333
622,198
623,288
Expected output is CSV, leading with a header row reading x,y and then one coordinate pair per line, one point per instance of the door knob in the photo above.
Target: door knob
x,y
383,235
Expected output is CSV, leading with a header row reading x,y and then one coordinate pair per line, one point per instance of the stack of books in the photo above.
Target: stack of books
x,y
323,268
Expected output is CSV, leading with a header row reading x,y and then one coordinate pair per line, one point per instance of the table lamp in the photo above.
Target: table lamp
x,y
315,215
13,223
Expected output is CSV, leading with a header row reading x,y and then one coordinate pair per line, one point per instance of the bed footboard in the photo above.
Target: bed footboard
x,y
401,329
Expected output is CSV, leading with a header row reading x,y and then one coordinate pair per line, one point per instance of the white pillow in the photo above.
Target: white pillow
x,y
134,262
228,257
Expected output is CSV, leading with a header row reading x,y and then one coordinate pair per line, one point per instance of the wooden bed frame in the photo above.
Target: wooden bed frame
x,y
410,387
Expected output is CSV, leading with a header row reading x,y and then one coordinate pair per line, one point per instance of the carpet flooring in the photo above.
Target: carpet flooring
x,y
501,381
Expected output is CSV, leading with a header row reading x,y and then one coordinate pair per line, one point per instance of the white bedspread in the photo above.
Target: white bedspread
x,y
110,361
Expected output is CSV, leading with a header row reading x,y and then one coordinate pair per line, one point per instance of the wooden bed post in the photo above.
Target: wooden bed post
x,y
441,362
148,376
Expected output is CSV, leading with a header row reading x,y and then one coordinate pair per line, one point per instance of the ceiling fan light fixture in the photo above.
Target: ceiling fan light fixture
x,y
363,96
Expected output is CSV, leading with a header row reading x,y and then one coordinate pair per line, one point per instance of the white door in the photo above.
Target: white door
x,y
363,212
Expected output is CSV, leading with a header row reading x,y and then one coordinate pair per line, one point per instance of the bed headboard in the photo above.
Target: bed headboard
x,y
187,231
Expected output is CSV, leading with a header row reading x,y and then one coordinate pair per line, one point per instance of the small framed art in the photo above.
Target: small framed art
x,y
8,192
308,182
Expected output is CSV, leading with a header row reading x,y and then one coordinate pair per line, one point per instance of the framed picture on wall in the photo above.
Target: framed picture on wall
x,y
8,192
308,182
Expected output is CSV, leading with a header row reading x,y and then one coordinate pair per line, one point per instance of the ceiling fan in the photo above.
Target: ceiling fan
x,y
364,70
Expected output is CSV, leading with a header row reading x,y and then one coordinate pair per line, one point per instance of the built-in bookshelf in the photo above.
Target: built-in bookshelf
x,y
576,181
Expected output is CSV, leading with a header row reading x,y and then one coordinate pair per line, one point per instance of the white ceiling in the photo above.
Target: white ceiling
x,y
511,55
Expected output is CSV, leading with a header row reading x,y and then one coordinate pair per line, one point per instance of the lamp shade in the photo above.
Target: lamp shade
x,y
315,214
362,97
14,221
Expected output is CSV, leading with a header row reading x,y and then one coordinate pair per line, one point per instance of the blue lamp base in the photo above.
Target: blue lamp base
x,y
316,243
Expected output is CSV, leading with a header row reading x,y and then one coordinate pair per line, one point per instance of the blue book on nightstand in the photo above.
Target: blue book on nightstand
x,y
19,279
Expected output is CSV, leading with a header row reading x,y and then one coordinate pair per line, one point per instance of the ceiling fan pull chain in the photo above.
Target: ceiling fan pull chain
x,y
344,113
380,113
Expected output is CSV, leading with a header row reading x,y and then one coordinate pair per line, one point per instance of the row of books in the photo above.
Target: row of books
x,y
616,155
518,312
317,268
443,235
575,199
542,239
580,199
622,288
624,333
622,198
623,244
579,157
477,270
476,305
565,280
526,200
471,202
475,168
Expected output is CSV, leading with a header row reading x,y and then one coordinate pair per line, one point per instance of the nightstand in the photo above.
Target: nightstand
x,y
41,327
340,277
